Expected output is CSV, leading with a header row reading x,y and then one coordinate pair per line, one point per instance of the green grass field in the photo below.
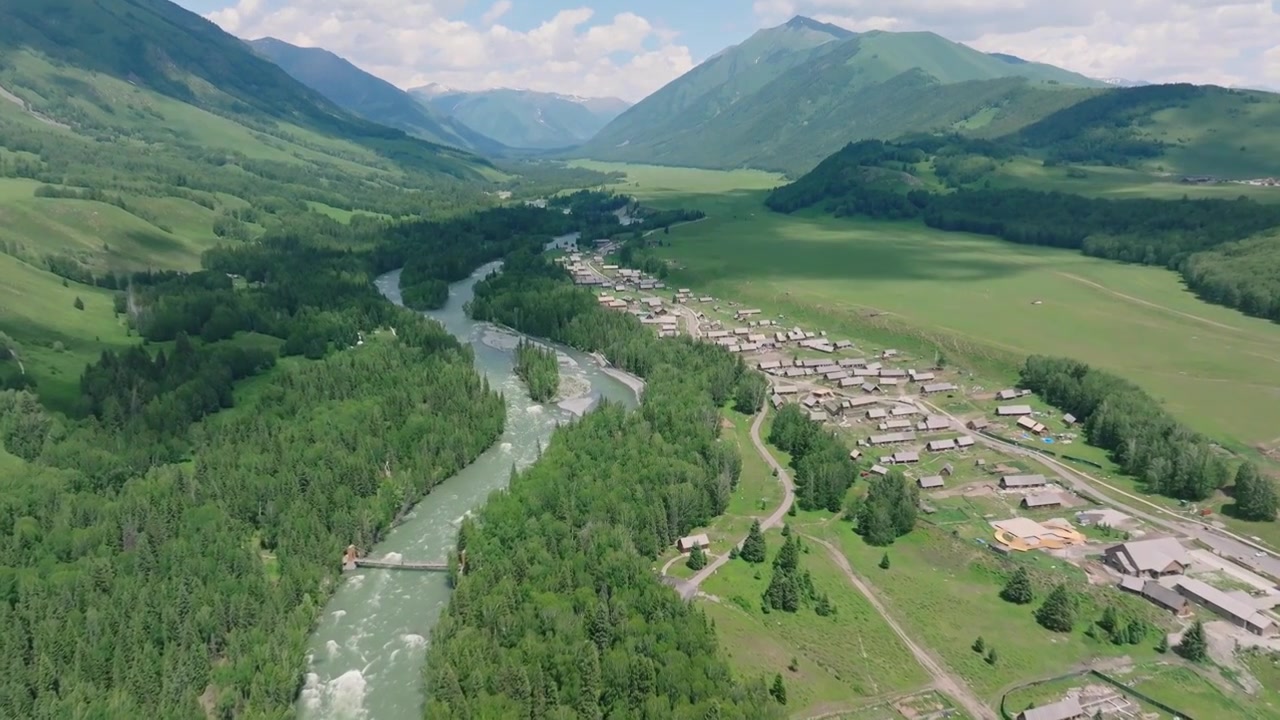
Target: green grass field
x,y
946,593
973,296
842,659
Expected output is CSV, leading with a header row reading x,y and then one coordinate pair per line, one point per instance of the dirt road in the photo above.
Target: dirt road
x,y
945,682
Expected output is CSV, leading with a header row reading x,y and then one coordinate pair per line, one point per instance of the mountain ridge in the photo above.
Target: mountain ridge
x,y
365,94
527,119
789,95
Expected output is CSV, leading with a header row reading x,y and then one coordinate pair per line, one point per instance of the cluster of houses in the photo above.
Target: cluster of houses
x,y
871,376
1156,570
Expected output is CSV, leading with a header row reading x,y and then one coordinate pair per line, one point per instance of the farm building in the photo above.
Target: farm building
x,y
865,372
931,482
1158,594
843,344
1010,394
890,381
903,410
893,373
769,364
1013,410
940,445
870,387
947,469
1040,501
879,470
978,424
685,544
1148,558
934,388
920,376
849,382
934,423
1230,607
891,438
877,414
837,375
855,454
852,362
889,353
1065,709
964,442
786,389
896,425
1030,425
860,402
1022,481
903,457
819,415
777,400
1068,418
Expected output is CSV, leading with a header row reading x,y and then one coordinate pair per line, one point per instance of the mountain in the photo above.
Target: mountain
x,y
369,96
1121,82
523,118
790,95
136,135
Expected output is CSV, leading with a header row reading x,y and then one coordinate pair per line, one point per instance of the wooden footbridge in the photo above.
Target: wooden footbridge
x,y
351,560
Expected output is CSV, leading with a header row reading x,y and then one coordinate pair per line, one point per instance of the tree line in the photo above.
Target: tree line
x,y
1143,438
558,613
1207,241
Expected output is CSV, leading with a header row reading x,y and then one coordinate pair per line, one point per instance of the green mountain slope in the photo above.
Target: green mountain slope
x,y
369,96
524,118
157,45
727,78
810,102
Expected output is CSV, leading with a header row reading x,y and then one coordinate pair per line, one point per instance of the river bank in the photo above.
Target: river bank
x,y
365,658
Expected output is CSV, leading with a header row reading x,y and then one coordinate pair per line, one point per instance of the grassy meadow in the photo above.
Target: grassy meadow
x,y
985,302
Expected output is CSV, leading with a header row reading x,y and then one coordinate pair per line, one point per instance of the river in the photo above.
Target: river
x,y
365,659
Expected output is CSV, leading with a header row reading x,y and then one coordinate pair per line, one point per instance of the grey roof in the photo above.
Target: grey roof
x,y
1167,598
922,376
852,362
1042,500
934,422
906,456
1065,709
1155,555
879,470
964,441
1013,410
893,372
890,438
938,445
1008,395
1022,480
1222,602
932,481
1132,584
1068,418
870,387
876,413
937,388
903,410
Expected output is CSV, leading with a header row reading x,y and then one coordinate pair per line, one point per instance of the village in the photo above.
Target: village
x,y
989,465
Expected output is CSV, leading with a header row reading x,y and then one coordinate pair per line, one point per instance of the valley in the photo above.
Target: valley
x,y
846,376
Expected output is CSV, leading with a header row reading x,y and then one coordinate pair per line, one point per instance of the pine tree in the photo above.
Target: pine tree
x,y
1109,621
1058,612
1194,646
1255,494
1018,589
1163,645
1135,632
779,690
884,562
754,549
78,303
697,558
589,675
992,657
979,646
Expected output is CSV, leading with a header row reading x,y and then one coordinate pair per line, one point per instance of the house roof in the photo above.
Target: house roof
x,y
1153,555
1165,597
1042,500
879,470
905,456
1132,584
936,445
1013,410
938,387
892,438
964,441
1222,602
932,481
1008,394
1022,480
699,539
1064,709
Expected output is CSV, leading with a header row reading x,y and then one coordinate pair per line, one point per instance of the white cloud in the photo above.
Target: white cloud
x,y
1227,42
495,11
414,42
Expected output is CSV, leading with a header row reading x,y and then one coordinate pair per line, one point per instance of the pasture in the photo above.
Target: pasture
x,y
841,660
985,303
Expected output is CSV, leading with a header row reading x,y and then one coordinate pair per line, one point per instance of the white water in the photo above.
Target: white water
x,y
365,659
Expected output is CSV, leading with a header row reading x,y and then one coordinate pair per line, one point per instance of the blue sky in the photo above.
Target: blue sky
x,y
628,49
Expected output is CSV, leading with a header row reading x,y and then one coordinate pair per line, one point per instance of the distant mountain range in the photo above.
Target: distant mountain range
x,y
369,96
790,95
523,118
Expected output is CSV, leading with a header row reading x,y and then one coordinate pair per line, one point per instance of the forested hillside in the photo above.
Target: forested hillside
x,y
1207,241
558,611
168,551
790,95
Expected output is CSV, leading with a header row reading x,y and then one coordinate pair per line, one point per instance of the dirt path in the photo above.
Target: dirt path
x,y
689,588
945,682
1147,303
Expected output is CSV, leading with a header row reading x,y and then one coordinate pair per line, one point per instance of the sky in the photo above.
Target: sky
x,y
628,49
